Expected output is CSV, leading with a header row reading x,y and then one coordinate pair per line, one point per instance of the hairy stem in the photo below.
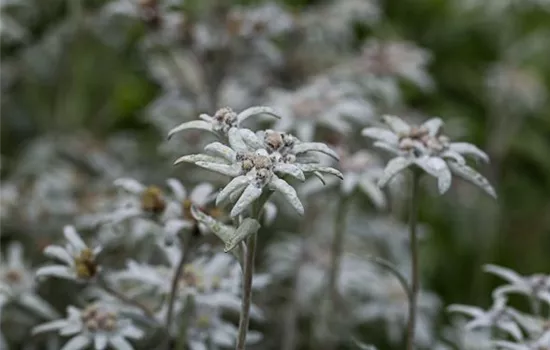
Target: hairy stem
x,y
415,284
175,279
337,249
248,274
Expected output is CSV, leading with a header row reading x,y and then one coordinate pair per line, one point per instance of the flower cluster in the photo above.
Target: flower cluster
x,y
427,149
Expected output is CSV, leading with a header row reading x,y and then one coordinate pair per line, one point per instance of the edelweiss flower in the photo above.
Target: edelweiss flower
x,y
537,286
427,149
224,123
97,324
499,316
321,103
17,283
80,261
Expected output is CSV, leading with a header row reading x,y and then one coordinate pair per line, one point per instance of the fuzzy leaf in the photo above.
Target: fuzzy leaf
x,y
437,168
222,231
457,157
193,124
248,227
194,158
471,175
394,166
236,141
130,185
377,197
288,192
251,139
308,168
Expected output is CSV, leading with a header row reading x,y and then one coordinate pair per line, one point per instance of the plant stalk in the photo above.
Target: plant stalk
x,y
337,248
248,274
415,284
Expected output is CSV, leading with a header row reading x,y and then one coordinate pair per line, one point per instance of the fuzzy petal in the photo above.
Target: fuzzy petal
x,y
433,125
469,149
304,147
394,166
397,124
194,158
15,255
100,341
49,326
307,168
130,185
236,141
288,192
201,193
471,175
289,169
250,194
56,271
377,197
73,237
251,139
387,147
177,189
457,157
40,306
225,169
77,343
437,168
220,150
252,111
236,184
193,124
57,252
509,275
380,134
119,343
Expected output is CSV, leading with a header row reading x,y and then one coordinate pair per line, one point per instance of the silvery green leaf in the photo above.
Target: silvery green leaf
x,y
225,169
222,231
374,192
251,139
220,150
289,169
236,184
433,125
471,175
308,168
194,158
236,141
193,124
437,168
320,177
469,149
387,147
246,228
288,192
252,111
457,157
250,194
396,124
304,147
394,167
129,185
380,134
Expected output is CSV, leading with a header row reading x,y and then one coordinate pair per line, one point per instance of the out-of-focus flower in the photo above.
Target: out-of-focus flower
x,y
361,170
515,89
535,286
17,283
499,316
424,147
97,325
79,261
389,304
321,102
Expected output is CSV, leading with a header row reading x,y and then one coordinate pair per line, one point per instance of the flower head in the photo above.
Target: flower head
x,y
97,324
79,260
427,149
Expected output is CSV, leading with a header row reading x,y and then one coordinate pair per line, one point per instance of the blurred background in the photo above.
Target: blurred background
x,y
89,90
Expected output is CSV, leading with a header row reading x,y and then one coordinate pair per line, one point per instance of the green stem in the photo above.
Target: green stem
x,y
413,216
248,274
